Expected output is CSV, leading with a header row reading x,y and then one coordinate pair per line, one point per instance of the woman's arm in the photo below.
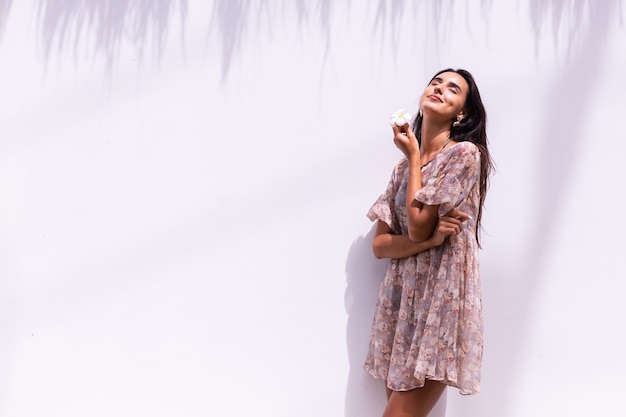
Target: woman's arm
x,y
388,245
421,218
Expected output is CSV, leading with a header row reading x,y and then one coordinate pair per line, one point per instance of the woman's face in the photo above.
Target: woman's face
x,y
445,96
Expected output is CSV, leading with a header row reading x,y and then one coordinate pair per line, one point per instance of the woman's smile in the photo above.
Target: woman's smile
x,y
435,97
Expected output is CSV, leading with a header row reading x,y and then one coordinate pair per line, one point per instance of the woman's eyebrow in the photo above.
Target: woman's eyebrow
x,y
454,85
450,83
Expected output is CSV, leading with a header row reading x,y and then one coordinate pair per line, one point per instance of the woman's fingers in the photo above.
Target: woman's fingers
x,y
396,129
403,130
450,225
458,214
409,133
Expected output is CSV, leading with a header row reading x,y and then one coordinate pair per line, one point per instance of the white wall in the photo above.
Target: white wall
x,y
183,188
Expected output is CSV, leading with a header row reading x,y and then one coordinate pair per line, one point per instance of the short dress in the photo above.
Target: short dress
x,y
428,321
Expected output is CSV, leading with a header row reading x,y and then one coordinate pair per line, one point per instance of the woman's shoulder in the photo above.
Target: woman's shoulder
x,y
465,147
460,154
463,151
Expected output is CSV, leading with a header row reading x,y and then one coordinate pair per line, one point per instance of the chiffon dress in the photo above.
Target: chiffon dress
x,y
428,320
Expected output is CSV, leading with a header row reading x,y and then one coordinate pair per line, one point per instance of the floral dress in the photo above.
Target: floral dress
x,y
428,322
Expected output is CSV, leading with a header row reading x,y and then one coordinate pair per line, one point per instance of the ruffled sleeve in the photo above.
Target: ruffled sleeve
x,y
384,207
455,174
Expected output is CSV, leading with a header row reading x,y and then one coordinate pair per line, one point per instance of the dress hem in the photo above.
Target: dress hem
x,y
442,380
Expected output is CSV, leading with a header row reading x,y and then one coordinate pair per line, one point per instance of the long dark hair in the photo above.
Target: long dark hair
x,y
473,128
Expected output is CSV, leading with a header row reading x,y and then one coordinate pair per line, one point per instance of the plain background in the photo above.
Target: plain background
x,y
183,189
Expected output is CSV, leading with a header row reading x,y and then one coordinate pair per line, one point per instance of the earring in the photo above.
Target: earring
x,y
457,123
420,113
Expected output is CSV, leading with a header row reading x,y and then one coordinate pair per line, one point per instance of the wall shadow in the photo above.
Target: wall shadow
x,y
230,19
5,8
570,97
438,18
561,137
66,25
233,19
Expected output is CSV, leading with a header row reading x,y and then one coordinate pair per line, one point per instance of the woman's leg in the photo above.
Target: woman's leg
x,y
414,403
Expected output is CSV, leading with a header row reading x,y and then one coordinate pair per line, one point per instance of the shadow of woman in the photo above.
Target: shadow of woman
x,y
365,396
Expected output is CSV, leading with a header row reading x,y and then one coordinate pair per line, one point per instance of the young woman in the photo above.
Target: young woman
x,y
427,330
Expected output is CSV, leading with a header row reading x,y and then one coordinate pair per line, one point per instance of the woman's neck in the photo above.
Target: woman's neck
x,y
433,136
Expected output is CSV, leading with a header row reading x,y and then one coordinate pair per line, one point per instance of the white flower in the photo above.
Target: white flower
x,y
400,118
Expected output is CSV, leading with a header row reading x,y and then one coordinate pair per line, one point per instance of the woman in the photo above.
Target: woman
x,y
427,330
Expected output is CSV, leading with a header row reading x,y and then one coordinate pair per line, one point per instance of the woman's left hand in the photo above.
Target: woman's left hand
x,y
450,224
405,140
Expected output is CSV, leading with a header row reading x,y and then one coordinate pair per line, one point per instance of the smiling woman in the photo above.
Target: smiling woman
x,y
427,330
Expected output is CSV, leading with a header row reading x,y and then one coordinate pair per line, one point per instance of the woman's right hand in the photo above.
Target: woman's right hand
x,y
449,224
405,140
